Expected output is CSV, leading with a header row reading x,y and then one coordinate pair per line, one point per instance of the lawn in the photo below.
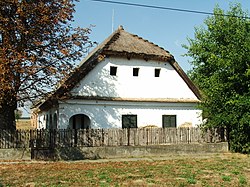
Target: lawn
x,y
217,170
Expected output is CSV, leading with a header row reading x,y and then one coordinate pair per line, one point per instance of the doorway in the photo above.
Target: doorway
x,y
79,121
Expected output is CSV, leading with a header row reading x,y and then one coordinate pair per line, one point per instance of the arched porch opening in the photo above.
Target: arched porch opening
x,y
79,121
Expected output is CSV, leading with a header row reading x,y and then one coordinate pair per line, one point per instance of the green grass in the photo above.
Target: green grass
x,y
242,180
226,178
220,170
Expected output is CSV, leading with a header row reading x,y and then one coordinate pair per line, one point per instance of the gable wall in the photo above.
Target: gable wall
x,y
99,82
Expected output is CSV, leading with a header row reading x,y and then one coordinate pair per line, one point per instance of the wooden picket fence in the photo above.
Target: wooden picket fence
x,y
107,137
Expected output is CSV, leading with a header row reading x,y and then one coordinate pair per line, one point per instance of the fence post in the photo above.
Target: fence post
x,y
32,145
128,130
75,137
54,138
189,136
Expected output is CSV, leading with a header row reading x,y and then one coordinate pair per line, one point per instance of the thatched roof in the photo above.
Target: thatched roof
x,y
129,45
122,44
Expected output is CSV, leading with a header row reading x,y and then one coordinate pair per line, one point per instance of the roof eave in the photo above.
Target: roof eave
x,y
144,56
156,100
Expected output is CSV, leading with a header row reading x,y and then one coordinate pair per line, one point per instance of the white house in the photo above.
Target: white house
x,y
126,81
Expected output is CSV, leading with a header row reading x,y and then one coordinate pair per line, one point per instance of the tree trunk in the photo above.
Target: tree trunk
x,y
8,106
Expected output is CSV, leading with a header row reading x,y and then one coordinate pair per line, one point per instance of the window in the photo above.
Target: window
x,y
157,72
113,70
135,72
129,121
168,121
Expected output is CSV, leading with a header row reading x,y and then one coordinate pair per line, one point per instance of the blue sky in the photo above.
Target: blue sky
x,y
168,29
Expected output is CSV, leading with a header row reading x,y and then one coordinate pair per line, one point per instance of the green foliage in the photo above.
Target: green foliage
x,y
221,69
18,114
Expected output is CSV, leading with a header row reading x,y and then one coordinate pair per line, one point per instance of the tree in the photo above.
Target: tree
x,y
18,114
220,54
37,47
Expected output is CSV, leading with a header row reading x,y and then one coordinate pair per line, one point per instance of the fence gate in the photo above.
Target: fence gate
x,y
42,144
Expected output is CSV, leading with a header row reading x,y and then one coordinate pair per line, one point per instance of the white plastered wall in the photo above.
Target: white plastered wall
x,y
47,118
99,82
106,114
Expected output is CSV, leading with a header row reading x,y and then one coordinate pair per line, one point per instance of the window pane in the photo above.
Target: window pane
x,y
113,70
129,121
135,72
157,72
173,121
168,121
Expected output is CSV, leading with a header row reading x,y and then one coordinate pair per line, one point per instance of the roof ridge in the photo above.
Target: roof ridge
x,y
102,46
141,38
115,36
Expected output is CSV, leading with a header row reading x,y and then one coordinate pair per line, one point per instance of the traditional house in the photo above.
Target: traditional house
x,y
126,81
